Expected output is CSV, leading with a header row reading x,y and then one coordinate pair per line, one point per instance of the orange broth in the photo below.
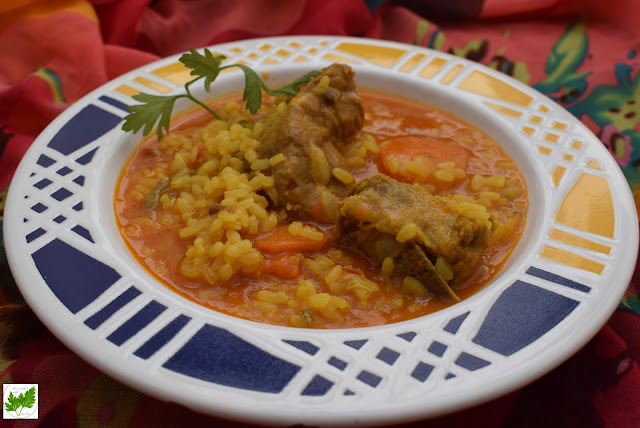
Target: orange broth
x,y
160,250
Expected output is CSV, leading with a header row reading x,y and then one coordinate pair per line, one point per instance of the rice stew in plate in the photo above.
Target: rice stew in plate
x,y
334,208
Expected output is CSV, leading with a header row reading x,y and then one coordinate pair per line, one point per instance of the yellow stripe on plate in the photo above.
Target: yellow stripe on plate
x,y
577,241
571,259
527,130
482,84
175,73
433,67
588,206
412,62
594,164
544,150
451,74
557,175
552,138
381,55
127,90
340,59
504,110
152,85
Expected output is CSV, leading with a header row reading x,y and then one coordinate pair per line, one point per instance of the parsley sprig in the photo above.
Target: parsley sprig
x,y
17,403
157,108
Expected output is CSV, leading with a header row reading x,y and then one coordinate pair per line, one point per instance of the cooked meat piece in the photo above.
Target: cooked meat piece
x,y
413,262
320,119
378,208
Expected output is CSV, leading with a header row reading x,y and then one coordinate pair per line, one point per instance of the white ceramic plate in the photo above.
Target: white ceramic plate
x,y
560,286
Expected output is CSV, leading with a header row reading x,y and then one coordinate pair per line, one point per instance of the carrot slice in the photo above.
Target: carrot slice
x,y
281,241
283,266
436,149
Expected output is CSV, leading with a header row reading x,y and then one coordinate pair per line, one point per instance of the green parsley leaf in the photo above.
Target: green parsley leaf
x,y
12,403
253,85
155,108
23,400
292,88
29,397
207,66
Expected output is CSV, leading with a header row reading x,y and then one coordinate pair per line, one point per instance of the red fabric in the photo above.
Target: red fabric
x,y
585,55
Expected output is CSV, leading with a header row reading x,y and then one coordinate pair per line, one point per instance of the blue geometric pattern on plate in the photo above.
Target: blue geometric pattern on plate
x,y
42,183
216,355
45,161
408,336
115,103
387,355
318,386
65,170
470,362
96,320
521,315
303,345
337,363
83,232
422,371
86,126
161,338
136,323
35,234
369,378
87,158
74,277
454,324
61,194
356,344
39,208
436,348
543,274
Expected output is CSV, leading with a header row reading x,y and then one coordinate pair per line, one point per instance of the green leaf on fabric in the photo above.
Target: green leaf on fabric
x,y
630,303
